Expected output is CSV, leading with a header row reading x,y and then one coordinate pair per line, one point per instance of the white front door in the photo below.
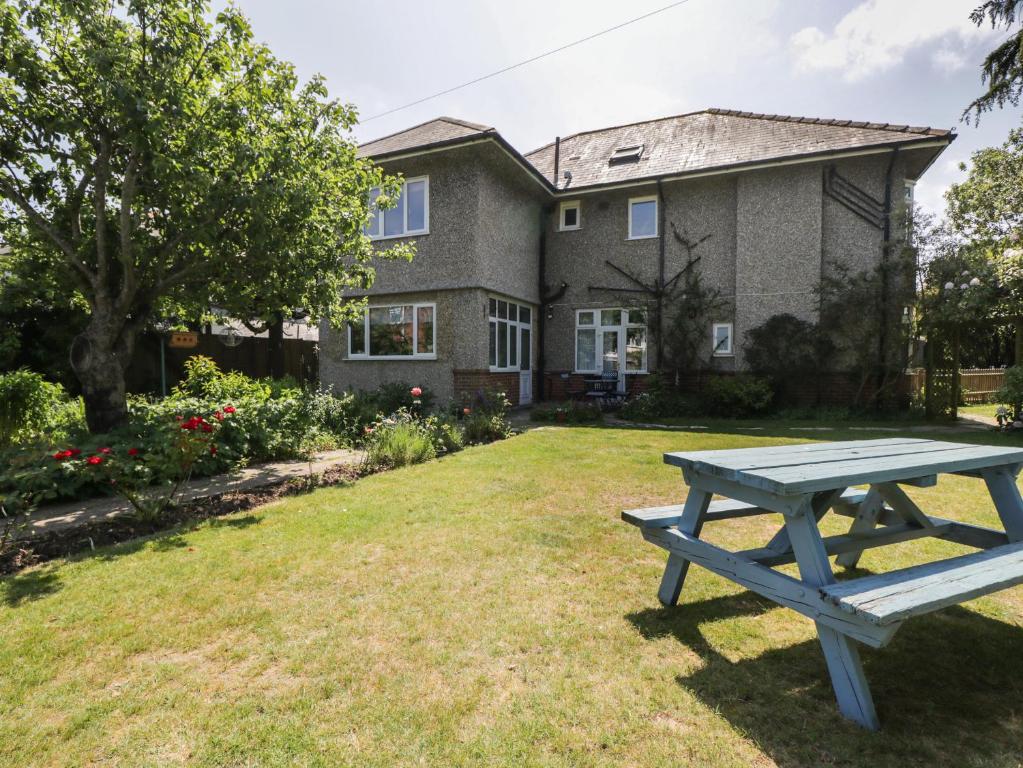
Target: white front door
x,y
612,353
525,365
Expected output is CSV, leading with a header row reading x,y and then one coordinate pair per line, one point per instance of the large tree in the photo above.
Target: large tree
x,y
985,214
165,164
1002,70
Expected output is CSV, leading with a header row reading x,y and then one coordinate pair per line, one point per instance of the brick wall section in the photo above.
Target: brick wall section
x,y
557,387
468,382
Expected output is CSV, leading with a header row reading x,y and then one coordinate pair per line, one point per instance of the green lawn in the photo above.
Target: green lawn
x,y
489,609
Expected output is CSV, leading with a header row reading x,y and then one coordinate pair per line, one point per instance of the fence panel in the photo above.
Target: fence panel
x,y
976,385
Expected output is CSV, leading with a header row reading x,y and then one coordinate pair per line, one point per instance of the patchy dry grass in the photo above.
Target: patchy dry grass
x,y
489,609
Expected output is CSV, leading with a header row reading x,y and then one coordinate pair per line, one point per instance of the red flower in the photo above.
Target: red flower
x,y
213,450
133,451
94,460
105,451
229,409
467,411
218,415
206,427
73,452
61,455
416,391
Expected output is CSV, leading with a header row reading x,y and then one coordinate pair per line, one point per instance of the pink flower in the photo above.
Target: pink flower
x,y
105,451
416,392
467,411
94,460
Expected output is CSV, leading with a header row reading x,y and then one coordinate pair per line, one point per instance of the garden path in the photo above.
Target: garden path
x,y
56,517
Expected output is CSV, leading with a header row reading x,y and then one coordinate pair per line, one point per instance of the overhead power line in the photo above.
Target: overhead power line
x,y
524,62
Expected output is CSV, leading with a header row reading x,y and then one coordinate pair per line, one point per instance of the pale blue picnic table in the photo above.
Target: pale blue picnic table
x,y
805,482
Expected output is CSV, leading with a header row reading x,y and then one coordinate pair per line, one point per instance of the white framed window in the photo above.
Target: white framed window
x,y
396,332
570,215
605,337
721,339
642,217
511,331
411,215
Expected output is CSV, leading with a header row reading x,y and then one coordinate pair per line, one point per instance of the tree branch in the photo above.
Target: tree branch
x,y
127,224
100,205
11,191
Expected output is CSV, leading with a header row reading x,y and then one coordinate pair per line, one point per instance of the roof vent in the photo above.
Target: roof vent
x,y
626,154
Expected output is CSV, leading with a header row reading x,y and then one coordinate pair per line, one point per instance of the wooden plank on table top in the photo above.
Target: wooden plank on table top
x,y
728,467
687,458
819,477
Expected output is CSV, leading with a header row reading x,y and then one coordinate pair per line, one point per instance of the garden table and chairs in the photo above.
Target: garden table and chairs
x,y
805,482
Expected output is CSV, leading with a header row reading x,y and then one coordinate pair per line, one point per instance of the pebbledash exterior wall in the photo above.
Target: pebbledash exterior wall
x,y
768,236
483,240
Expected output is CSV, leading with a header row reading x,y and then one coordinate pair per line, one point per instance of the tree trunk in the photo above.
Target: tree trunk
x,y
276,347
1018,327
99,357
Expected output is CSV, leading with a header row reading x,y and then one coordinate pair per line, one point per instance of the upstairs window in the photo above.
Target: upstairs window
x,y
642,217
570,216
410,216
626,154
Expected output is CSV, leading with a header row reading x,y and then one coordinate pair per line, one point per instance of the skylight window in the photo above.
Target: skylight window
x,y
627,154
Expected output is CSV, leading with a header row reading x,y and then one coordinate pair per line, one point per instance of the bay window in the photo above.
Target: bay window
x,y
400,331
409,216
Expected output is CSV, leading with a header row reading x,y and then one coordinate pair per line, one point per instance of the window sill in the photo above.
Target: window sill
x,y
642,237
370,358
724,354
508,370
569,229
398,237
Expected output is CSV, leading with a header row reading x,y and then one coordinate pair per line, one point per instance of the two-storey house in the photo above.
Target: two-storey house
x,y
535,272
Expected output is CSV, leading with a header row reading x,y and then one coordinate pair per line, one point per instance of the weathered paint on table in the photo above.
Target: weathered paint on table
x,y
805,482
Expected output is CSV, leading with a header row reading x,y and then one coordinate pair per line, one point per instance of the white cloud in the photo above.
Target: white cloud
x,y
948,60
878,34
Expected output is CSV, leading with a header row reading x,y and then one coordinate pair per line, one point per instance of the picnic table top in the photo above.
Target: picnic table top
x,y
805,468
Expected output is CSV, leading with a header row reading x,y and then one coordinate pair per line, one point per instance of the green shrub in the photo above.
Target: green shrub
x,y
573,413
398,441
480,428
204,379
1011,392
736,396
447,436
31,406
662,399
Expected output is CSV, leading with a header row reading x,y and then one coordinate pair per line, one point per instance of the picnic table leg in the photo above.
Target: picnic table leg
x,y
840,652
677,566
866,519
1001,484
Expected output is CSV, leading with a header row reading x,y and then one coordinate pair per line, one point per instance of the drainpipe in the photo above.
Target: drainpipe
x,y
660,275
541,320
882,337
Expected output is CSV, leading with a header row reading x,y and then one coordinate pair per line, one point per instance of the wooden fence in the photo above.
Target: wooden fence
x,y
976,385
250,357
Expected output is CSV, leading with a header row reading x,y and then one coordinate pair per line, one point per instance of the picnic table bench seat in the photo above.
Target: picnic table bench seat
x,y
892,597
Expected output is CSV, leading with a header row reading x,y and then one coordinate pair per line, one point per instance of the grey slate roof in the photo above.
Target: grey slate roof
x,y
440,130
712,139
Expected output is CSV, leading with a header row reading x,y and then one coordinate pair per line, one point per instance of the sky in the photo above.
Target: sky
x,y
894,61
